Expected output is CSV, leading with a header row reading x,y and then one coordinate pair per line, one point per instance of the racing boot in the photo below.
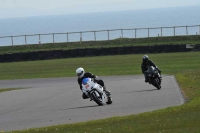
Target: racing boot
x,y
160,79
84,96
146,79
159,70
107,91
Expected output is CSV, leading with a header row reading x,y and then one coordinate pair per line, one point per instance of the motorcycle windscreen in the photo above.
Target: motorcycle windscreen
x,y
85,80
150,69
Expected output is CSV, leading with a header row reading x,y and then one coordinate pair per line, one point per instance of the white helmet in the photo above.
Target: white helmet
x,y
80,72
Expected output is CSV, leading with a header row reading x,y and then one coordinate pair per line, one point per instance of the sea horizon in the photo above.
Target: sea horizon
x,y
128,19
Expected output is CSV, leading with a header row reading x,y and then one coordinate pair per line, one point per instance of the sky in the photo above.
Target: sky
x,y
26,8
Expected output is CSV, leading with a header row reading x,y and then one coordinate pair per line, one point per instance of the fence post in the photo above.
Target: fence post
x,y
39,39
199,29
95,35
25,40
80,37
53,39
174,31
122,33
186,30
108,36
67,37
135,33
12,40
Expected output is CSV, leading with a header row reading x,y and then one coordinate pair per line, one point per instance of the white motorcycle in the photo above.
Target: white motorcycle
x,y
95,92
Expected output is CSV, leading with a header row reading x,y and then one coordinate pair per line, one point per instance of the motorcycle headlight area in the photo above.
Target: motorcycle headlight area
x,y
85,80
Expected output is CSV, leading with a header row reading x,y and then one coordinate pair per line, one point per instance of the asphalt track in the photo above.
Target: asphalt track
x,y
54,101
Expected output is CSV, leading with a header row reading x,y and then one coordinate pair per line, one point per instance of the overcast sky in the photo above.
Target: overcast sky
x,y
23,8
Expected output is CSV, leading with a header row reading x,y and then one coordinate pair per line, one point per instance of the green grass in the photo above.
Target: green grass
x,y
193,39
179,119
170,63
9,89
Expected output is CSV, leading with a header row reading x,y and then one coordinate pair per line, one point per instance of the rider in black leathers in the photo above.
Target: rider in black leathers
x,y
82,74
147,62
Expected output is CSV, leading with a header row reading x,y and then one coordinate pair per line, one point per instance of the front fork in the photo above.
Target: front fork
x,y
99,88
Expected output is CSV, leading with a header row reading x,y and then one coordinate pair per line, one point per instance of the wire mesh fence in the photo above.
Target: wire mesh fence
x,y
99,35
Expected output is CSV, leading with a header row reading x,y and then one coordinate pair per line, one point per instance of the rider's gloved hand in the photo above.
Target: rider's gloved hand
x,y
95,78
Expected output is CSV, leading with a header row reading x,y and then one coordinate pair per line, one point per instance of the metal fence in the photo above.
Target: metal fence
x,y
99,35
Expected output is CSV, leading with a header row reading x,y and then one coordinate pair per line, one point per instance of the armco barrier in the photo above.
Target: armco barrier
x,y
106,51
97,51
81,52
8,57
144,49
1,58
167,48
49,54
128,50
73,52
57,54
16,57
174,48
159,48
89,52
43,55
66,53
152,49
120,50
182,48
113,51
25,56
197,47
33,56
137,49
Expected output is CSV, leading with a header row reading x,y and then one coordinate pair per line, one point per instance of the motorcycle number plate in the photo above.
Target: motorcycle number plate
x,y
87,86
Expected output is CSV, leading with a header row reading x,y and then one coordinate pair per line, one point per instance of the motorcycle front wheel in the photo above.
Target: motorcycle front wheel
x,y
96,98
155,82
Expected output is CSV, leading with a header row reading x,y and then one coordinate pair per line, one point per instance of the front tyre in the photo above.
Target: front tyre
x,y
97,99
156,83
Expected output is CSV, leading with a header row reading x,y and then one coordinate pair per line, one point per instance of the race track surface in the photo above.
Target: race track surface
x,y
54,101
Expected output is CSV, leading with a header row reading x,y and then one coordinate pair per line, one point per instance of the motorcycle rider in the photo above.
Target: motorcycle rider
x,y
147,62
80,72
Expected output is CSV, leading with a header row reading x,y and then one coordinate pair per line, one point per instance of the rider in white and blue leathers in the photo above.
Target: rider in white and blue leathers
x,y
80,72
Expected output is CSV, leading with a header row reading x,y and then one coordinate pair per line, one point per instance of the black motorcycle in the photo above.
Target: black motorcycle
x,y
153,77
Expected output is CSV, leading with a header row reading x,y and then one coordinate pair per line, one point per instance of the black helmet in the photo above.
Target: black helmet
x,y
145,58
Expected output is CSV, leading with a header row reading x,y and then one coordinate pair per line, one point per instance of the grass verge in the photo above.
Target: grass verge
x,y
170,63
192,39
179,119
9,89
